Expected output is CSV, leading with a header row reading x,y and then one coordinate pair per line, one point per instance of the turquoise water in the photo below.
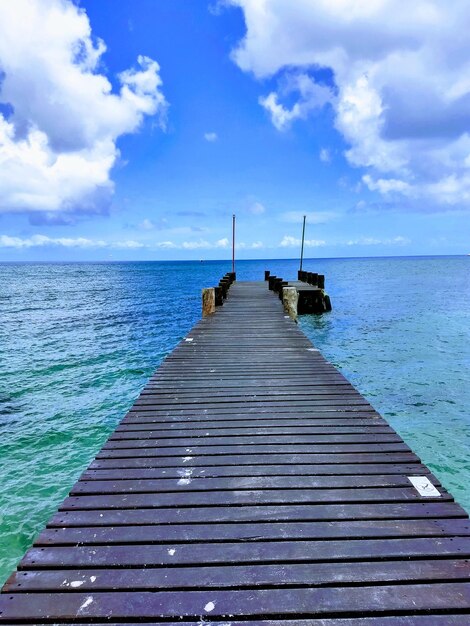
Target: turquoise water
x,y
78,342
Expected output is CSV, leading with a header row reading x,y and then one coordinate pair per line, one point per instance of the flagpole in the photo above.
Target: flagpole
x,y
302,248
233,243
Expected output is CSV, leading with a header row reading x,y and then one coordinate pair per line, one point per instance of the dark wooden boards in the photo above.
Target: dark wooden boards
x,y
250,483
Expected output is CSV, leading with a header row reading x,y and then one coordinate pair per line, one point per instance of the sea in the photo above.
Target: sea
x,y
78,342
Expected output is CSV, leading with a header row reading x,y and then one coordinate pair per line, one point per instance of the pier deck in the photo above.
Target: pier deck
x,y
250,483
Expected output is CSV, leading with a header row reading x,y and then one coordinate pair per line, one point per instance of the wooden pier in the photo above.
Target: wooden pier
x,y
250,483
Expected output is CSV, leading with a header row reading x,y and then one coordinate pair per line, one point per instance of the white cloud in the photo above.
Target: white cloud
x,y
222,243
399,88
313,217
325,155
257,208
387,185
146,224
58,145
256,245
165,244
293,242
311,96
373,241
40,241
195,245
211,137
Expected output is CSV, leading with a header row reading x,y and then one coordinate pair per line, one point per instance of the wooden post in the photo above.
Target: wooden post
x,y
266,274
277,285
321,281
224,285
208,301
282,286
219,297
290,299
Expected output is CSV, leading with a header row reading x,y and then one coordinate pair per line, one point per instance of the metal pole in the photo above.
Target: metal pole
x,y
302,249
233,243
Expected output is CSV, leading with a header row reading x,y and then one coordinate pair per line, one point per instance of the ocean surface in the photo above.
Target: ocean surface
x,y
78,342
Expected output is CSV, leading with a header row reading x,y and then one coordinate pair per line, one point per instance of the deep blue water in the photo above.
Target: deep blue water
x,y
78,342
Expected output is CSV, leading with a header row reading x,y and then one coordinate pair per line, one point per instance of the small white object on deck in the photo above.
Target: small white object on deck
x,y
424,486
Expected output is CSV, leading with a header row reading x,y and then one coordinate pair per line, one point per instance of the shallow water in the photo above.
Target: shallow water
x,y
79,341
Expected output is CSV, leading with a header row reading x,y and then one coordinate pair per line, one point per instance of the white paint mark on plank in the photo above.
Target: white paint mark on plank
x,y
171,551
189,339
184,481
424,486
210,606
85,604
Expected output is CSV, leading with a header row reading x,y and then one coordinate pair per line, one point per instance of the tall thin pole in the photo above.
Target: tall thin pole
x,y
302,249
233,242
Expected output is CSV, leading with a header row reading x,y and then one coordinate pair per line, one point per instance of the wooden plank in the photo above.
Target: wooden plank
x,y
150,555
299,449
186,482
248,460
248,532
256,514
249,440
240,576
332,469
241,498
222,604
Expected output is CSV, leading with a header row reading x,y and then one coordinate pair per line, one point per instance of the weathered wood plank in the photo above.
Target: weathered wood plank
x,y
223,604
255,513
240,576
249,532
150,555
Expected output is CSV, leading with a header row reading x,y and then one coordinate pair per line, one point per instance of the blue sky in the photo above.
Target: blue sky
x,y
266,127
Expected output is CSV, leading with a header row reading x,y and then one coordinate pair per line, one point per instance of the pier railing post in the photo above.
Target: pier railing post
x,y
290,299
208,301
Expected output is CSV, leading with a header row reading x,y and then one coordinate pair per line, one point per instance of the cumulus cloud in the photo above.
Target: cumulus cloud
x,y
311,96
293,242
211,137
61,118
399,88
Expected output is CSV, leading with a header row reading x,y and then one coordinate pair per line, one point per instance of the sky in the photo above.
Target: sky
x,y
133,130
